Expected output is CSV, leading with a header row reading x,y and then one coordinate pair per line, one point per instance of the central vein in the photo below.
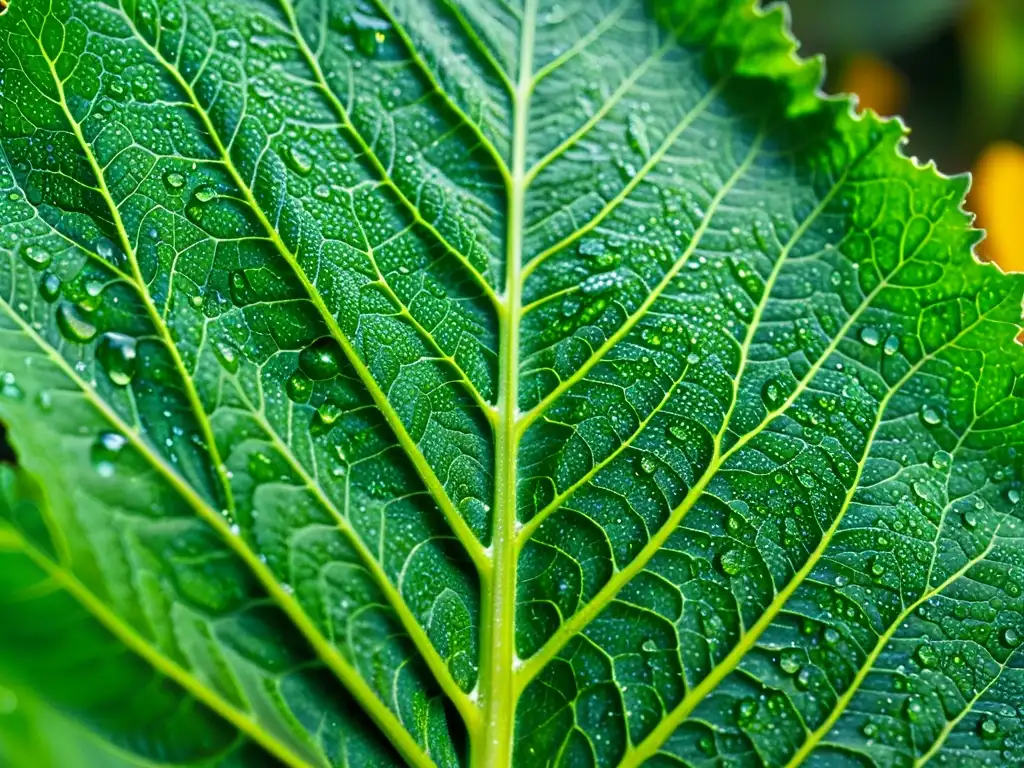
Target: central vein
x,y
493,746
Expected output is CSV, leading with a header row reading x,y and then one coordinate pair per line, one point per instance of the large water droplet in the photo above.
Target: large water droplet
x,y
299,387
36,257
49,287
298,160
892,345
174,180
1011,637
116,353
941,460
870,336
746,711
931,415
927,656
733,562
73,326
791,661
321,360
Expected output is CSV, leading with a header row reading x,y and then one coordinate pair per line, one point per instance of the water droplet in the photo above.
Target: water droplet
x,y
941,460
892,345
322,191
1011,637
174,180
927,656
105,452
693,358
329,412
746,711
878,566
931,415
970,518
205,194
1013,496
227,356
791,661
73,326
299,387
49,287
733,562
649,645
648,465
36,257
321,360
989,727
913,708
116,353
298,160
772,394
832,636
870,336
803,679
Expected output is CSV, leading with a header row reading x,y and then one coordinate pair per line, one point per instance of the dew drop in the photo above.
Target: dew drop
x,y
832,636
226,356
969,518
320,360
870,336
927,656
649,645
298,160
930,415
299,387
50,286
116,353
105,452
892,345
174,180
941,460
73,326
36,257
1011,637
733,562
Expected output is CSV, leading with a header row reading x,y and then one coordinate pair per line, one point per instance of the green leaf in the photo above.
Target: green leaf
x,y
483,382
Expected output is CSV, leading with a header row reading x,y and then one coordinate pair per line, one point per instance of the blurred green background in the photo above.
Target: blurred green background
x,y
954,70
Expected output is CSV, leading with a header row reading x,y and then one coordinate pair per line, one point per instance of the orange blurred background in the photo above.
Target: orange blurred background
x,y
954,69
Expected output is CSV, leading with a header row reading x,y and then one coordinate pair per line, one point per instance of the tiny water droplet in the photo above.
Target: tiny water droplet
x,y
105,452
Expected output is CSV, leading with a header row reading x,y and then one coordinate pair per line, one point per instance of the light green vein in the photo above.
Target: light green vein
x,y
719,458
636,755
480,45
321,82
430,480
606,23
599,115
143,648
494,745
623,330
531,526
151,310
949,727
332,658
883,640
436,664
428,73
633,183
